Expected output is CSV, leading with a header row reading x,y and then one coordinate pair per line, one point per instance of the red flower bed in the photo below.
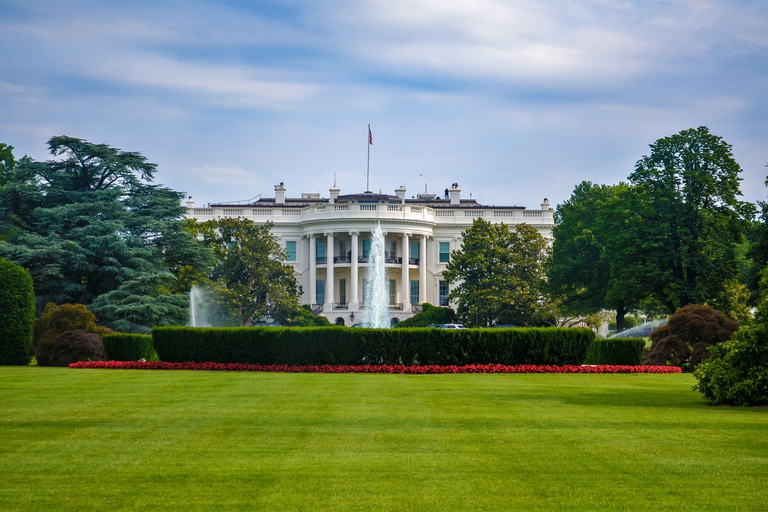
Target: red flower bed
x,y
400,369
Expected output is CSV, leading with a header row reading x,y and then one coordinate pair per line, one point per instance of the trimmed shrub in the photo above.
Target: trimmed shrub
x,y
616,351
685,339
129,347
17,313
56,320
429,315
71,347
342,346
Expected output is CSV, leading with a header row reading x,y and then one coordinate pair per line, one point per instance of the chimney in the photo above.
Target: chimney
x,y
545,204
334,194
400,192
455,193
280,193
190,202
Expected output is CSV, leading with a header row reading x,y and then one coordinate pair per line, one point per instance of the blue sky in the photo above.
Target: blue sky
x,y
515,101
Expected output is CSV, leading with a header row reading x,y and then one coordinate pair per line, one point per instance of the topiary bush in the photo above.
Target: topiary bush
x,y
616,351
17,313
56,320
129,347
685,339
71,347
429,315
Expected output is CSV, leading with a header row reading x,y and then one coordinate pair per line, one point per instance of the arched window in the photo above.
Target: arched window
x,y
394,322
339,321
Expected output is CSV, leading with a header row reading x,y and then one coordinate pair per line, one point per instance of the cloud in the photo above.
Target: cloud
x,y
233,176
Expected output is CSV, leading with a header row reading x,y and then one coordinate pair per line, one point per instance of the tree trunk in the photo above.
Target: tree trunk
x,y
621,312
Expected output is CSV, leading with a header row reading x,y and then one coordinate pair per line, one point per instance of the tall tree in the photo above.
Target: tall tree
x,y
686,220
249,280
579,269
92,229
497,275
7,163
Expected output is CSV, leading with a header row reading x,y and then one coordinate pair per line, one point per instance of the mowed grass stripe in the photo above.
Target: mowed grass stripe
x,y
178,440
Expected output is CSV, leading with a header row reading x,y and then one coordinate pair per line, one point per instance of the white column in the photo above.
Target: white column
x,y
353,296
423,269
406,291
312,270
329,273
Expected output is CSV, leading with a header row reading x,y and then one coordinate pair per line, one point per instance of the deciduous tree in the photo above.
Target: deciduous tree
x,y
497,275
685,222
250,282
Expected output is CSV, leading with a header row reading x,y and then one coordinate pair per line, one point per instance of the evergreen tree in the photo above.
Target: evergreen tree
x,y
92,229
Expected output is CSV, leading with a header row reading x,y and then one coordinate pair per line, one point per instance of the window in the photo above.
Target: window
x,y
392,291
320,253
366,249
321,291
392,245
443,294
414,292
343,251
342,291
413,257
445,252
290,248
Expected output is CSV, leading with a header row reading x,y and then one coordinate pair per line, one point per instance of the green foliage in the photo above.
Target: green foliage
x,y
429,315
129,347
737,371
303,317
685,339
71,347
620,351
7,163
92,229
340,345
497,275
56,320
683,221
17,313
249,281
579,269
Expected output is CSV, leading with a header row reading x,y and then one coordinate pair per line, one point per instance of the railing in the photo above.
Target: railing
x,y
340,207
202,211
473,213
321,259
233,212
294,212
394,208
342,259
340,305
444,213
533,213
261,212
369,207
413,261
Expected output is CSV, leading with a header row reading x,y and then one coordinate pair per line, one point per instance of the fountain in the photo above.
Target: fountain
x,y
197,311
376,312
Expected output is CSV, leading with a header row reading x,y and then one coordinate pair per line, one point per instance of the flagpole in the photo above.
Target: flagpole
x,y
368,172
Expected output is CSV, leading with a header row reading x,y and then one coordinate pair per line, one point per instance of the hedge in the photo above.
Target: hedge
x,y
616,351
129,347
344,346
17,313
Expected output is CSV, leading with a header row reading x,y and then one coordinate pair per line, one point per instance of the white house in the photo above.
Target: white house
x,y
328,240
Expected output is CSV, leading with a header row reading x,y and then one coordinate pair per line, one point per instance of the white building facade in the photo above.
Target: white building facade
x,y
328,242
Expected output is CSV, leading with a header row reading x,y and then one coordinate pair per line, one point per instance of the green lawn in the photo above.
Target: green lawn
x,y
119,439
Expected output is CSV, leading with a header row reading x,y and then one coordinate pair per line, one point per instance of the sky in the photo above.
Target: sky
x,y
513,100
